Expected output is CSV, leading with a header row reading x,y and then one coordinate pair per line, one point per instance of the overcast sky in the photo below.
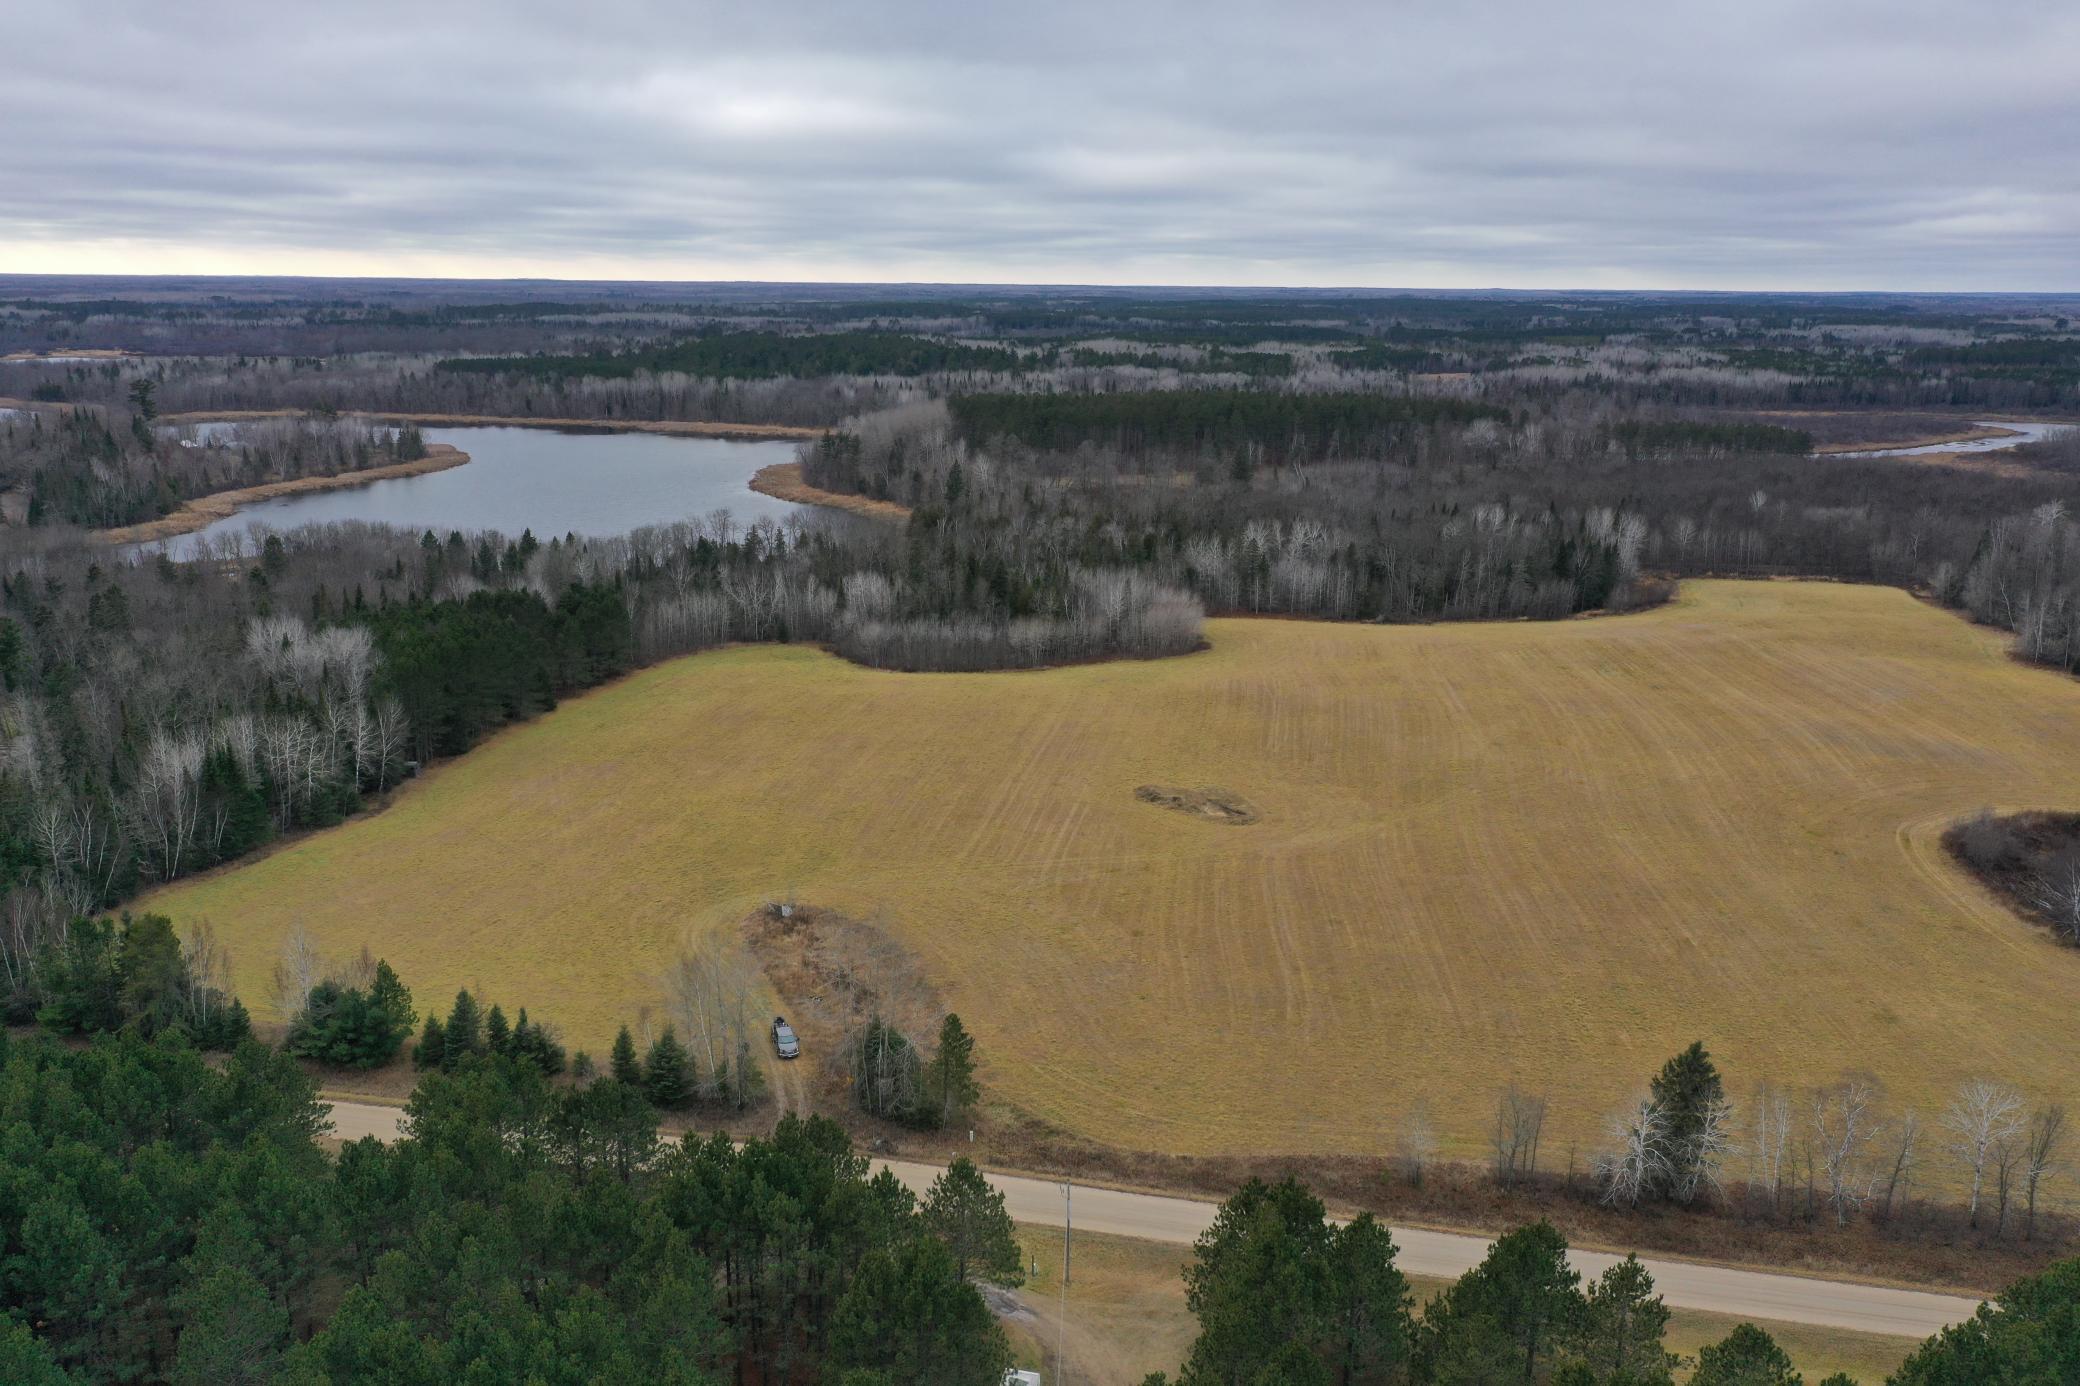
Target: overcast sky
x,y
1463,143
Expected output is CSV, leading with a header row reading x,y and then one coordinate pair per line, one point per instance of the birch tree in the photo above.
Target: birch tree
x,y
1983,1113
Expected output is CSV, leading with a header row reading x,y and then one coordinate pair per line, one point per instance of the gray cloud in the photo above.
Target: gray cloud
x,y
1403,142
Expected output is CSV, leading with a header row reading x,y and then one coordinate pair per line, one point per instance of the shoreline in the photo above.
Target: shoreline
x,y
62,356
783,481
681,428
204,511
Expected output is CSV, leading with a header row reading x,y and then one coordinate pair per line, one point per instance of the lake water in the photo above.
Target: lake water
x,y
551,482
2023,433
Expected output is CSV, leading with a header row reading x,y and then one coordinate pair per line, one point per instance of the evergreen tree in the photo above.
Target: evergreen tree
x,y
668,1078
151,972
1367,1330
608,1125
25,1361
224,1026
82,985
909,1317
349,1028
235,1332
963,1211
1687,1089
465,1030
1508,1318
393,1002
1623,1322
887,1078
498,1036
622,1063
2030,1332
432,1049
1259,1280
1746,1357
949,1080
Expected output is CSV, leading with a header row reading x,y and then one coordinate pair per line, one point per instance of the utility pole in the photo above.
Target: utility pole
x,y
1061,1322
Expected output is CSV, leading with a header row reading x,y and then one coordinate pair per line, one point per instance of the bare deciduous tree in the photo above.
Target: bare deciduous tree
x,y
2047,1134
707,994
1901,1165
1983,1113
1637,1160
1416,1147
297,970
1843,1117
1769,1149
1520,1117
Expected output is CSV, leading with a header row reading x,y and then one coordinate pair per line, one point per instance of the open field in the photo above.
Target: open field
x,y
1127,1316
1549,853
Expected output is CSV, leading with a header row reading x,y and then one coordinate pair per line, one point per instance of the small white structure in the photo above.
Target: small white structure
x,y
1018,1377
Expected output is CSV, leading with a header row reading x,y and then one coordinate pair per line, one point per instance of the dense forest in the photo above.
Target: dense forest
x,y
170,1219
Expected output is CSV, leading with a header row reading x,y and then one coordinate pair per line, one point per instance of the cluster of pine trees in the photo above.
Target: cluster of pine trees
x,y
471,1032
163,1218
670,1078
463,668
347,1025
1283,1295
100,975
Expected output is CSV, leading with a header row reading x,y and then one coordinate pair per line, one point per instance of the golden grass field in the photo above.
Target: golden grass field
x,y
1549,853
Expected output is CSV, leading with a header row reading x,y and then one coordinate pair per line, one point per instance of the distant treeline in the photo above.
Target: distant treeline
x,y
1279,427
758,356
1638,436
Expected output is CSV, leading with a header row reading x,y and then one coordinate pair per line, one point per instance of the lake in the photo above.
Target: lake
x,y
546,480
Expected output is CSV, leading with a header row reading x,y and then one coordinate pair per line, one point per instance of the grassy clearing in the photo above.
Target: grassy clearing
x,y
1548,853
1127,1316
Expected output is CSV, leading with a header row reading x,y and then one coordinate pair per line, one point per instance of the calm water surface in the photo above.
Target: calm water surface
x,y
2024,433
551,482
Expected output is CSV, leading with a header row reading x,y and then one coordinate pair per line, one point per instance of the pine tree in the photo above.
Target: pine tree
x,y
393,1000
622,1063
950,1087
1687,1089
668,1073
465,1030
433,1045
498,1036
151,971
1508,1317
963,1211
234,1330
1367,1332
1622,1327
906,1316
1745,1357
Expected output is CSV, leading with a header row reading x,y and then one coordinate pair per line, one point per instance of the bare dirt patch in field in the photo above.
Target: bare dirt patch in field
x,y
834,973
1216,805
